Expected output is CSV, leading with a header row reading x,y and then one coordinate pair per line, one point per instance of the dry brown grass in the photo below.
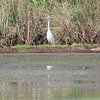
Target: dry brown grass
x,y
86,26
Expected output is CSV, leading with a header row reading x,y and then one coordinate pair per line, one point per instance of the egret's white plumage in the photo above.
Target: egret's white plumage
x,y
50,37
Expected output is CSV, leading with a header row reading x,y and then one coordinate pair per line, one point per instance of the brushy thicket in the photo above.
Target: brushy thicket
x,y
72,21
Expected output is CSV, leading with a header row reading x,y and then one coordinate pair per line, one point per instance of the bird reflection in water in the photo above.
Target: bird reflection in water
x,y
49,68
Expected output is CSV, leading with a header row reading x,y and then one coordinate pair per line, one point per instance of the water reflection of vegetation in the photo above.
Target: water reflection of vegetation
x,y
27,90
41,73
46,59
85,82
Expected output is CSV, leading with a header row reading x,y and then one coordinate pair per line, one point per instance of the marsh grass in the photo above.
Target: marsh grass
x,y
22,47
53,46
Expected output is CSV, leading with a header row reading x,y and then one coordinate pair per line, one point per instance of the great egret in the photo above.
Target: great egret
x,y
50,37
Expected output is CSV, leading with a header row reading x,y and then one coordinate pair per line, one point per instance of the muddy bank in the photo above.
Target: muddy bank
x,y
51,50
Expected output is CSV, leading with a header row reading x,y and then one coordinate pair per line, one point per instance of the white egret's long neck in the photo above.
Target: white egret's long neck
x,y
48,24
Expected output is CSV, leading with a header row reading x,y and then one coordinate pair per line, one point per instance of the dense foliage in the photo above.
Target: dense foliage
x,y
72,21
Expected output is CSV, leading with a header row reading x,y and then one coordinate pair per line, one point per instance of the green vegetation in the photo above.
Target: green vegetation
x,y
24,21
69,40
89,45
62,46
22,47
76,45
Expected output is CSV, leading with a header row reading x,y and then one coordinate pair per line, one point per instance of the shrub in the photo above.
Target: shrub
x,y
27,19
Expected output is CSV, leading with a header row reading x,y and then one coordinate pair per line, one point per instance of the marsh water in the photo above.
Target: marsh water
x,y
65,76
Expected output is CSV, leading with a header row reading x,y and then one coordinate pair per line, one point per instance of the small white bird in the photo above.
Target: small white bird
x,y
50,37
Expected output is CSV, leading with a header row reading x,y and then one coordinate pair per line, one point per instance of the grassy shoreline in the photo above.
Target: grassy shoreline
x,y
75,48
22,47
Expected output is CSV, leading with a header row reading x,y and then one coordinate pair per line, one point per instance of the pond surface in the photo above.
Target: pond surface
x,y
28,76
